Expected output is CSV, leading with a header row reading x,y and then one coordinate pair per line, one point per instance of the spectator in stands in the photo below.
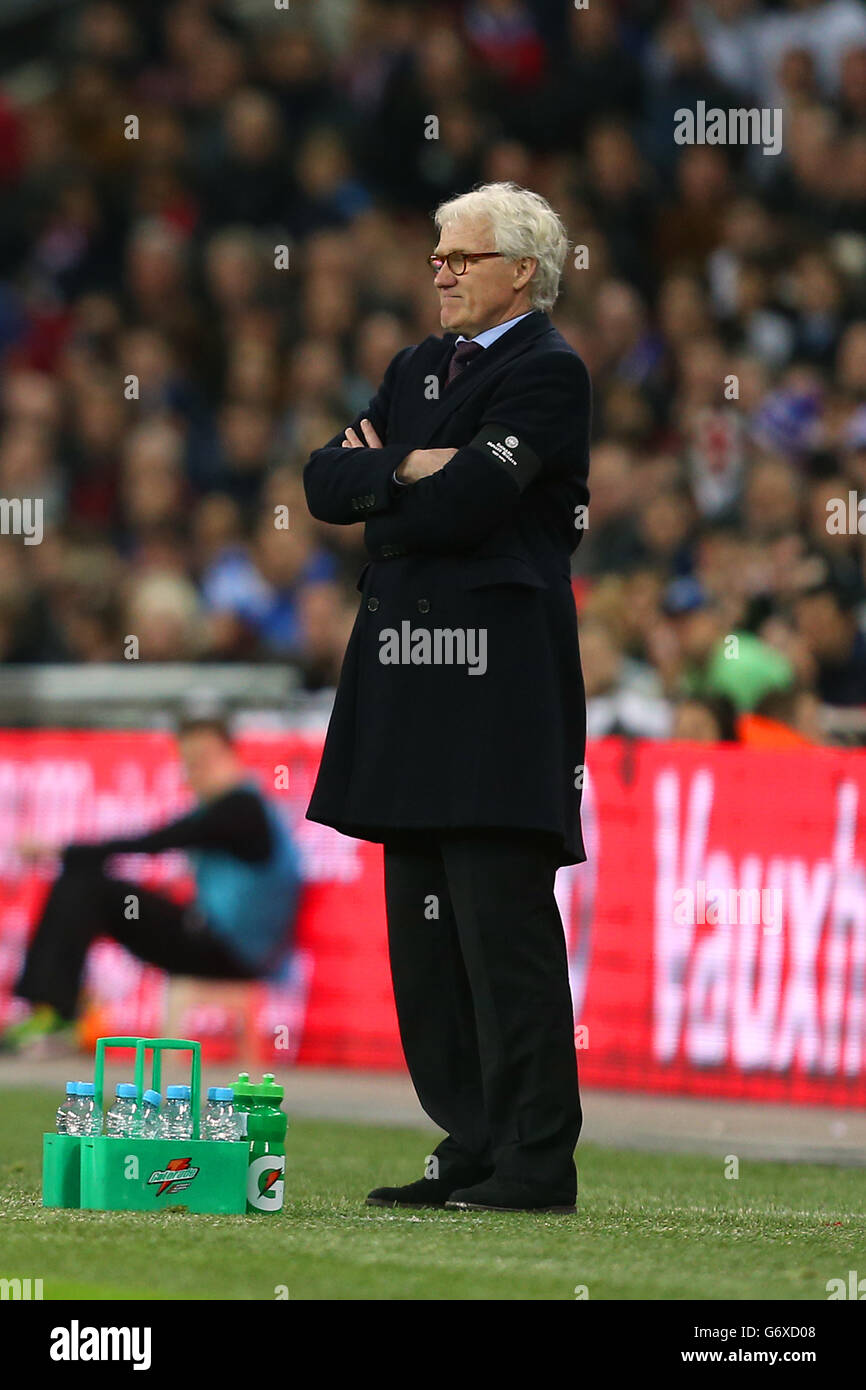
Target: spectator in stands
x,y
827,619
260,588
623,696
736,665
712,720
783,719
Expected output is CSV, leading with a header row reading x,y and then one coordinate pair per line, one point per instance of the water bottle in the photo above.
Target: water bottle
x,y
150,1120
73,1118
120,1119
66,1107
220,1121
85,1119
177,1114
266,1131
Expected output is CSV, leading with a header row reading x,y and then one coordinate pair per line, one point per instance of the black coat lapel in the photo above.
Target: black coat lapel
x,y
509,346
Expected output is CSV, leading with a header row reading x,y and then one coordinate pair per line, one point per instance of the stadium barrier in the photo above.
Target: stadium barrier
x,y
716,935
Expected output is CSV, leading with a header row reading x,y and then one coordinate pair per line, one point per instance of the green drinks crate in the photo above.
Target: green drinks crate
x,y
102,1173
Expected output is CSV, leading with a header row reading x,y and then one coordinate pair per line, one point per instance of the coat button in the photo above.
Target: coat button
x,y
423,605
372,604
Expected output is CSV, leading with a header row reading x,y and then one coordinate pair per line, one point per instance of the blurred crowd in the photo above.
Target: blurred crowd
x,y
214,220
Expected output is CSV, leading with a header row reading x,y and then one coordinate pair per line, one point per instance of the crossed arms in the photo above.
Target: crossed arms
x,y
420,463
535,421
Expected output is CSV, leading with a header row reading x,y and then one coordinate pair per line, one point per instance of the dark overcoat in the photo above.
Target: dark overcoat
x,y
461,701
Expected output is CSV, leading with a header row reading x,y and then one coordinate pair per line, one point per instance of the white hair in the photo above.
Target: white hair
x,y
523,224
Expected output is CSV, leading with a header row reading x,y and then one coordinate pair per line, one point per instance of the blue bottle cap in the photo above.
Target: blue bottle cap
x,y
223,1093
153,1097
86,1088
125,1091
72,1088
177,1093
211,1092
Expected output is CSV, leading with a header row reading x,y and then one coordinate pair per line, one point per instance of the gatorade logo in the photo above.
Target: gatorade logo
x,y
175,1178
265,1182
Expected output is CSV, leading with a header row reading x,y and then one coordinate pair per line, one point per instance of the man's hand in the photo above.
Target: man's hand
x,y
422,462
371,439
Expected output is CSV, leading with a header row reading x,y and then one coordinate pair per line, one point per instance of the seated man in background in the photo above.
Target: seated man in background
x,y
247,881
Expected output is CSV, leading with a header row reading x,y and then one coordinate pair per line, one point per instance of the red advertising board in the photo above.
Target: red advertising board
x,y
716,936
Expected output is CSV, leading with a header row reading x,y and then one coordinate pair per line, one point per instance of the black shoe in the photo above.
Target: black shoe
x,y
426,1192
498,1194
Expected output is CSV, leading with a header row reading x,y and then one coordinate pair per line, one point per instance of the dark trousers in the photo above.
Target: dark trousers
x,y
84,904
480,974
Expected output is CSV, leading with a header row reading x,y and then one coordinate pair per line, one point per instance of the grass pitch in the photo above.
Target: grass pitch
x,y
649,1227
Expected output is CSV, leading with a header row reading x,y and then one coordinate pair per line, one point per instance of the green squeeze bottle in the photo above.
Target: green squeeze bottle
x,y
266,1132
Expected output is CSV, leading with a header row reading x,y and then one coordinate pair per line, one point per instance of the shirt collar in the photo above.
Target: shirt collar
x,y
489,336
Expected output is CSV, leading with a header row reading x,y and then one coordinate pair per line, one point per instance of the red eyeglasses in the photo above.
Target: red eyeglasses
x,y
458,261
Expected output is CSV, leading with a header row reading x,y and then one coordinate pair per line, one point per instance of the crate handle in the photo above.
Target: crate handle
x,y
157,1046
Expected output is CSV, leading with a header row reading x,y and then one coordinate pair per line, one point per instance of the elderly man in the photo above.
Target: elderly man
x,y
458,730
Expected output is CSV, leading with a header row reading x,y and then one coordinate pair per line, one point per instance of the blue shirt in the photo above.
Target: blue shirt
x,y
489,336
251,906
232,584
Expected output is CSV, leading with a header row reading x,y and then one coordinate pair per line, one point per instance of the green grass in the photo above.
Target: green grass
x,y
649,1226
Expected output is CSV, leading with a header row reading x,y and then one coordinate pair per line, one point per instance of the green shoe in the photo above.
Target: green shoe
x,y
45,1025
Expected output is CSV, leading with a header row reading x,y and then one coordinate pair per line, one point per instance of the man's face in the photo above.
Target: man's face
x,y
490,292
695,722
203,755
824,626
697,633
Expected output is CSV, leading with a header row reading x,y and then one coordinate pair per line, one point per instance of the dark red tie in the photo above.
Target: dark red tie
x,y
460,359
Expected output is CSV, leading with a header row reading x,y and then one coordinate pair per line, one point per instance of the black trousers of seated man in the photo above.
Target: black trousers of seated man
x,y
85,904
480,974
